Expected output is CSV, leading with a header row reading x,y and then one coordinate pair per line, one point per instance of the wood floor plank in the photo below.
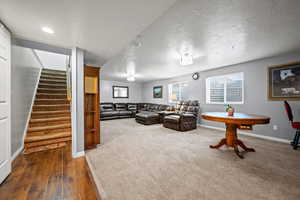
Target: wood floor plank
x,y
49,175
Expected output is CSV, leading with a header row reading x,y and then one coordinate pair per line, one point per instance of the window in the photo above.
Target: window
x,y
226,89
120,92
177,92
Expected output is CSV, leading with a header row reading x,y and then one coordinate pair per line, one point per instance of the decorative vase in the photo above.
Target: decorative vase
x,y
230,111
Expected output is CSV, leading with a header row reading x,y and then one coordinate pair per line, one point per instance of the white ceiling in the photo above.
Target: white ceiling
x,y
101,27
52,60
218,32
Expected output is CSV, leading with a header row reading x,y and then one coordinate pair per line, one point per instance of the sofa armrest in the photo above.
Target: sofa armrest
x,y
188,115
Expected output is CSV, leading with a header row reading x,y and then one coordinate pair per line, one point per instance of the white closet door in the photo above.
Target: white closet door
x,y
5,119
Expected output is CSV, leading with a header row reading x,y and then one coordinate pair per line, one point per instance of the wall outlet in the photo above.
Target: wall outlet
x,y
275,127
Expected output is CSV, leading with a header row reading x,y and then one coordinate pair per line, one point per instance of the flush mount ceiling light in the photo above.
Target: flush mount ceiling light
x,y
186,59
47,30
131,78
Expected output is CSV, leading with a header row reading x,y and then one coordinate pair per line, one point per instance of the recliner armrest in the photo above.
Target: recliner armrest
x,y
188,115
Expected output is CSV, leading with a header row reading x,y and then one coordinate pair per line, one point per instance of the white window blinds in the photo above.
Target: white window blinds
x,y
226,89
177,92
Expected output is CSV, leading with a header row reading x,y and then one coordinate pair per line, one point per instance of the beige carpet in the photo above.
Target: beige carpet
x,y
155,163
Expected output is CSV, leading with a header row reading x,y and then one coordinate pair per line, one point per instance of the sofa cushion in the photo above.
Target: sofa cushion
x,y
178,106
121,106
170,108
162,107
132,107
124,112
109,113
155,107
147,114
192,109
194,103
106,107
186,103
183,108
174,118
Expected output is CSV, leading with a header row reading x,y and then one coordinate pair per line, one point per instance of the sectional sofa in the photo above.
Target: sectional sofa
x,y
117,110
182,117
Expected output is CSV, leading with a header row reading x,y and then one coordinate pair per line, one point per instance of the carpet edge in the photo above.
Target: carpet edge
x,y
99,186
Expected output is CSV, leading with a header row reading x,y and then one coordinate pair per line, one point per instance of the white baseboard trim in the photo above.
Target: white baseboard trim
x,y
249,134
78,154
14,156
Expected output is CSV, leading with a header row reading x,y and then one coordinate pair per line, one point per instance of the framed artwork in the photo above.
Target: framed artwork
x,y
157,92
284,82
120,92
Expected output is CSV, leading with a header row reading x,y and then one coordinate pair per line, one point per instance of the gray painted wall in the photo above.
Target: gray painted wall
x,y
25,73
256,101
135,91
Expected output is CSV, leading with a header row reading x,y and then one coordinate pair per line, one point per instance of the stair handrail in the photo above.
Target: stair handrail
x,y
69,78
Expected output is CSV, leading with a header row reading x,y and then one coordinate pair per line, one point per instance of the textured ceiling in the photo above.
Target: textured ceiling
x,y
217,32
100,27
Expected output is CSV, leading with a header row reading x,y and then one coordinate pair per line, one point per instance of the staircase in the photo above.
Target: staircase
x,y
50,123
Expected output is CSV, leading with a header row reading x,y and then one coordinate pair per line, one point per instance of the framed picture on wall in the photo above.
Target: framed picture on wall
x,y
157,92
284,82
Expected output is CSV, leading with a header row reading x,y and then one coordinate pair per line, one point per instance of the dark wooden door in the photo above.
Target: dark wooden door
x,y
91,107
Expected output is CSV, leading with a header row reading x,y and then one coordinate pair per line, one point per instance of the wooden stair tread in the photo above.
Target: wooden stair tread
x,y
42,128
53,70
52,84
49,136
53,74
51,112
43,99
44,148
58,94
53,80
47,142
50,119
51,102
53,89
51,105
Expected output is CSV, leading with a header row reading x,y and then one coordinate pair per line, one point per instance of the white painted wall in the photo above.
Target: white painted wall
x,y
51,60
256,101
106,93
25,73
77,110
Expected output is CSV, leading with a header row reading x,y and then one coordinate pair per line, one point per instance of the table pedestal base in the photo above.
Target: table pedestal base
x,y
232,140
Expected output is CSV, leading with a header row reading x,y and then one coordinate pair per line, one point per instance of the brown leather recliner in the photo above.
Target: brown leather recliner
x,y
184,118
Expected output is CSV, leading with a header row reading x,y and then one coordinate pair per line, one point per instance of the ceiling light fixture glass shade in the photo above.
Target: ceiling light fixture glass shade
x,y
131,78
186,59
47,30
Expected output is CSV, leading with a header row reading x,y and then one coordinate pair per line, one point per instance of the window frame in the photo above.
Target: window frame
x,y
170,91
207,91
116,86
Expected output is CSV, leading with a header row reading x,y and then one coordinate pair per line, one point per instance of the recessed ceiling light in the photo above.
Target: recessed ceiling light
x,y
47,30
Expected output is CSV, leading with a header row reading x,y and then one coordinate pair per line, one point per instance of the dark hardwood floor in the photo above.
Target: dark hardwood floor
x,y
49,175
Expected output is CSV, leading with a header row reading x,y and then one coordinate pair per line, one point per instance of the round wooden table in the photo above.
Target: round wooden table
x,y
237,121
